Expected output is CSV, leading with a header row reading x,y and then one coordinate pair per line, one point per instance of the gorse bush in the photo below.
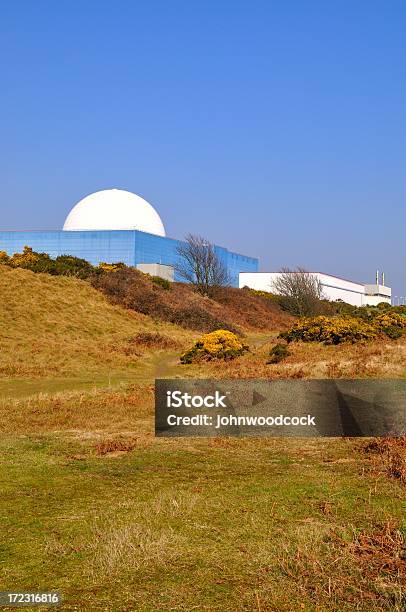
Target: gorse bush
x,y
330,330
111,267
265,294
335,330
366,313
161,282
63,265
68,265
278,353
220,344
391,324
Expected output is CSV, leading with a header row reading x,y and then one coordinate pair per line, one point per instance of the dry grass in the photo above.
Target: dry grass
x,y
379,554
53,326
388,456
148,541
379,359
98,410
115,446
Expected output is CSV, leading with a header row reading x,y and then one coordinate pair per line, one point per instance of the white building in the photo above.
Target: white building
x,y
333,287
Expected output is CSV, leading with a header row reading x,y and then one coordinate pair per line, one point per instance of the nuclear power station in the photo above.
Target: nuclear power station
x,y
115,225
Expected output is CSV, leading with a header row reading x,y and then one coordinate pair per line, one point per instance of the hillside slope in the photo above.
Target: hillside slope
x,y
61,326
238,310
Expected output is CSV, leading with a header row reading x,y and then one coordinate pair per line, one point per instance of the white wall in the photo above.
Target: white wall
x,y
155,269
374,300
378,290
261,281
333,288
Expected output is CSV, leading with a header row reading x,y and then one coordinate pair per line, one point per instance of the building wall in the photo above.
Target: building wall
x,y
108,246
340,289
333,288
236,263
132,247
382,290
374,300
156,269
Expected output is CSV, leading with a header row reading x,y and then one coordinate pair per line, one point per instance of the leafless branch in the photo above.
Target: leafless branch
x,y
200,265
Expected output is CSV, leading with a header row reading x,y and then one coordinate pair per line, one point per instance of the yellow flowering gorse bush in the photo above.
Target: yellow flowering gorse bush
x,y
27,257
111,267
220,344
391,324
335,330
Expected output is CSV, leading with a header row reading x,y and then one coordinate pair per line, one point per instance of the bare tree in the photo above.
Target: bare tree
x,y
301,292
200,265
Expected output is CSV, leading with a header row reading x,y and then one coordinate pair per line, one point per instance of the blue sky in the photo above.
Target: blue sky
x,y
276,129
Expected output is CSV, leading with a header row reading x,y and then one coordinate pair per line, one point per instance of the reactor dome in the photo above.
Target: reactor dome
x,y
114,209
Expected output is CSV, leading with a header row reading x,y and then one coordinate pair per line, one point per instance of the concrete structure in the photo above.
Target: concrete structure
x,y
166,272
333,288
116,226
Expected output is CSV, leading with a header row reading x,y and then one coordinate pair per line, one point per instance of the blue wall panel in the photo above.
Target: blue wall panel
x,y
129,246
93,246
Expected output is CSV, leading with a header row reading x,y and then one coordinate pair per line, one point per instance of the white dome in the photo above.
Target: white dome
x,y
114,209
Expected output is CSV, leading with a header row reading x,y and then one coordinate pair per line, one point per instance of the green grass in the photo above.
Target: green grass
x,y
230,525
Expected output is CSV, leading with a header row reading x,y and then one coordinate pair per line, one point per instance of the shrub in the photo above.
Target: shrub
x,y
154,340
300,292
111,267
278,353
399,309
161,282
194,316
391,324
220,344
135,290
383,306
334,330
330,330
31,260
4,258
69,265
63,265
265,294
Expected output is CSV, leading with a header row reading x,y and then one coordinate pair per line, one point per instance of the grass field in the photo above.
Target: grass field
x,y
95,506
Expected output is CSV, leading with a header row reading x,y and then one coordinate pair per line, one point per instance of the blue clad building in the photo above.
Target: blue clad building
x,y
112,226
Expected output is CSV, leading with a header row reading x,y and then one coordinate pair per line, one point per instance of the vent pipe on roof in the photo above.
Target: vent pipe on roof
x,y
377,278
383,279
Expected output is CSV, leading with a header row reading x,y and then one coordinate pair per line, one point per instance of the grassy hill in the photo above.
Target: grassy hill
x,y
61,328
64,330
